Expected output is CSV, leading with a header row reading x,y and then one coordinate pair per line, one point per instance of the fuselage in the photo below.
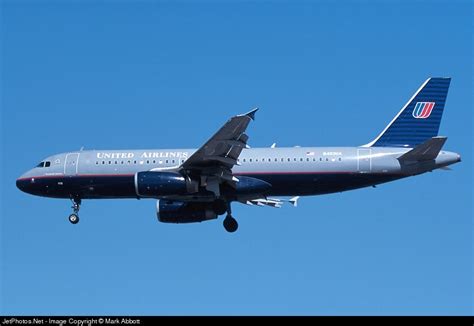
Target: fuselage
x,y
195,185
294,171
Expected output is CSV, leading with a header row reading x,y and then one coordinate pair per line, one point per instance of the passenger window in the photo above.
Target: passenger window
x,y
250,160
307,159
134,162
167,161
116,162
96,162
340,159
288,159
103,162
173,161
147,162
301,159
244,160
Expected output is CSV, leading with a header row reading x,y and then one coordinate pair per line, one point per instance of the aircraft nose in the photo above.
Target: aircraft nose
x,y
21,183
25,183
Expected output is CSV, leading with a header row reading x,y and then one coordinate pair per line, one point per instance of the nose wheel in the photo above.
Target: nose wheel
x,y
74,218
76,205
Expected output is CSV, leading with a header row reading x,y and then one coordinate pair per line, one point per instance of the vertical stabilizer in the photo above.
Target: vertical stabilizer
x,y
419,119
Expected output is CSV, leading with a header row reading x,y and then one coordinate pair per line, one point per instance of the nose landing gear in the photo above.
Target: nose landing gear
x,y
76,205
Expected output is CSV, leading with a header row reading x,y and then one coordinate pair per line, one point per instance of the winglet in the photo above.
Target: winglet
x,y
294,201
251,114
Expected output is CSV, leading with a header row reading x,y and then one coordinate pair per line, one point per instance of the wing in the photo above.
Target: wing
x,y
213,161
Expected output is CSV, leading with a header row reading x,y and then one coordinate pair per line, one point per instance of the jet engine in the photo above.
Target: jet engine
x,y
172,211
158,184
248,186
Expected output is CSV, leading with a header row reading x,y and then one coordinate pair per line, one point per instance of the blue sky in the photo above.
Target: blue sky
x,y
109,75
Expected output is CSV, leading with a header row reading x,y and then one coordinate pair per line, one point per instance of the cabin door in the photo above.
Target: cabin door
x,y
71,164
364,160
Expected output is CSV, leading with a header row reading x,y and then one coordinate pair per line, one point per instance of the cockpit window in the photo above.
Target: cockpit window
x,y
45,164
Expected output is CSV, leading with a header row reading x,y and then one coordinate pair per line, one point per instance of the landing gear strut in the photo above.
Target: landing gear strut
x,y
230,223
76,205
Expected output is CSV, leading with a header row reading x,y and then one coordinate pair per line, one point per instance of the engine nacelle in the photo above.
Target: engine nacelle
x,y
158,184
248,185
171,211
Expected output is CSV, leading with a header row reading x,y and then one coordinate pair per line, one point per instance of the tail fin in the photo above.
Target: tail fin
x,y
419,119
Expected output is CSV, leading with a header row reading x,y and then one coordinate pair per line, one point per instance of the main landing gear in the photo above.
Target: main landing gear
x,y
230,223
76,205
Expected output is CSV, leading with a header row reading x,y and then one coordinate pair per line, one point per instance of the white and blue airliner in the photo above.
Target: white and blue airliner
x,y
195,185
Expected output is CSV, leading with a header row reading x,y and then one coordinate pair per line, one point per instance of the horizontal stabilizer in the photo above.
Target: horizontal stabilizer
x,y
446,168
426,151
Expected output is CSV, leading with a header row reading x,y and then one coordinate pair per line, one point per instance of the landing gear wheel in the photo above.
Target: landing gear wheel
x,y
230,224
219,206
76,205
74,218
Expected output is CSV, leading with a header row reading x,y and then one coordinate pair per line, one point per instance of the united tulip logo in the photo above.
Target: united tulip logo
x,y
423,110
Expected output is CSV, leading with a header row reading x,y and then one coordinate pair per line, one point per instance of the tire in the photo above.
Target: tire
x,y
230,224
219,206
74,218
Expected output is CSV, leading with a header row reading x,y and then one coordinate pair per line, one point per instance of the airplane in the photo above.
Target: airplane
x,y
196,185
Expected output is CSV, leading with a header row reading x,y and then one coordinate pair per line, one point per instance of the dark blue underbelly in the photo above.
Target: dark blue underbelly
x,y
122,186
320,183
86,187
